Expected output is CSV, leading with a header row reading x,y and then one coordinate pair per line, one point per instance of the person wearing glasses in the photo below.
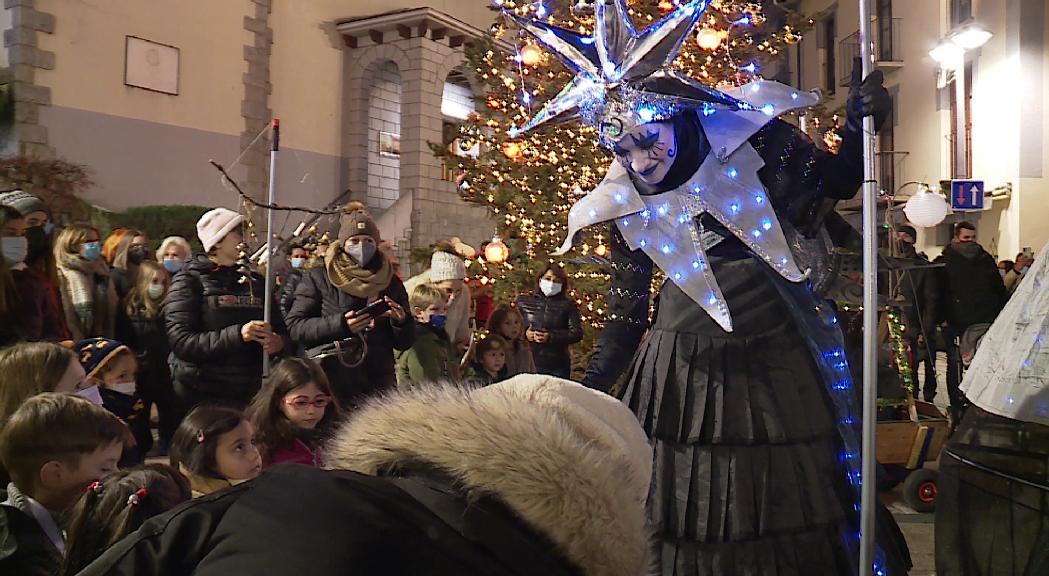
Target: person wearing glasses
x,y
293,413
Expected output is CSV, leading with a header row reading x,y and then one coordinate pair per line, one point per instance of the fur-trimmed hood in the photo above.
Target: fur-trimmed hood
x,y
570,461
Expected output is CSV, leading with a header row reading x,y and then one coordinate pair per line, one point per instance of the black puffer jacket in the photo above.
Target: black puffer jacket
x,y
318,316
287,291
204,311
559,316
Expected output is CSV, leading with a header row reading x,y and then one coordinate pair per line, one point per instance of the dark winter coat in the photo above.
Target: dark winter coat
x,y
287,291
318,317
559,316
25,549
972,288
920,288
39,316
204,311
401,511
432,358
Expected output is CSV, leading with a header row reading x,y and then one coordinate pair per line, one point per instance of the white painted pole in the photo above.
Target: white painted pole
x,y
870,312
267,313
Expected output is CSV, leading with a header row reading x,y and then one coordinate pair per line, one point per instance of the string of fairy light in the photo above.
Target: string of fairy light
x,y
530,182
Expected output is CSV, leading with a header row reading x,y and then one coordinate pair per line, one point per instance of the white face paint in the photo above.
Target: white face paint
x,y
648,151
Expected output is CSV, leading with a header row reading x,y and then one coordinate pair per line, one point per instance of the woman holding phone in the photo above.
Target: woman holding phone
x,y
552,322
354,295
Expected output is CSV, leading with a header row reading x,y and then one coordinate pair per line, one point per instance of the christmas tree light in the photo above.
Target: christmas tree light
x,y
529,181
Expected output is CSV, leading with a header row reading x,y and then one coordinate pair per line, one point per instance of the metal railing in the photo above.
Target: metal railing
x,y
887,47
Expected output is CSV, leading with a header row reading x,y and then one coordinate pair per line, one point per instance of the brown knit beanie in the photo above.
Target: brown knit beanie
x,y
358,222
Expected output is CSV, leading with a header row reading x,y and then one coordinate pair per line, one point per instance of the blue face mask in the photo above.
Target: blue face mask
x,y
172,265
438,320
297,263
91,251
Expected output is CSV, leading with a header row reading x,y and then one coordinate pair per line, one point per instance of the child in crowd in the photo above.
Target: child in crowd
x,y
214,447
116,506
432,357
293,412
113,367
489,365
142,329
53,446
506,321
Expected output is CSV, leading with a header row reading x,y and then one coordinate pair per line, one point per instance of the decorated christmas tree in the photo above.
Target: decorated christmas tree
x,y
530,181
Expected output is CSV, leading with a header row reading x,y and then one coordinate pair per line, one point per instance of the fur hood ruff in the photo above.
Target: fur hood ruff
x,y
543,457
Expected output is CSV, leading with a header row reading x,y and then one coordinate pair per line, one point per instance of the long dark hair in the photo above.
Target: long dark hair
x,y
115,507
273,430
499,315
561,275
195,441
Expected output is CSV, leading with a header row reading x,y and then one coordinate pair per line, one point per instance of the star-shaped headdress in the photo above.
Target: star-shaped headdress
x,y
623,77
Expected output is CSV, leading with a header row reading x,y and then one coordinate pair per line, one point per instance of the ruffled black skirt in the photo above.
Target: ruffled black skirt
x,y
746,478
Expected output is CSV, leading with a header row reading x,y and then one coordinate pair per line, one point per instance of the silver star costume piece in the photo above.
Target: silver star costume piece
x,y
625,78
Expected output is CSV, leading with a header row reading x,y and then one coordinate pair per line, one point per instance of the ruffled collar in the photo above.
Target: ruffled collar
x,y
726,186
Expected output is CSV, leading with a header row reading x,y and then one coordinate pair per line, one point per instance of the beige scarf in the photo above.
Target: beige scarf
x,y
345,274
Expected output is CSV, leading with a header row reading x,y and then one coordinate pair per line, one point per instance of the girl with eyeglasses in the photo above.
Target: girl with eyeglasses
x,y
293,412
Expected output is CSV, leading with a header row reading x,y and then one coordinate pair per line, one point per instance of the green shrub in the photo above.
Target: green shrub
x,y
159,222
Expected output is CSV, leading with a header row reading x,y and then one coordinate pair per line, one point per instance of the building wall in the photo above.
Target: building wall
x,y
147,148
1009,91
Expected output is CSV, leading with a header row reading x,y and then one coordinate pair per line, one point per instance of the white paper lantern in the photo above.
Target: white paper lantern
x,y
926,209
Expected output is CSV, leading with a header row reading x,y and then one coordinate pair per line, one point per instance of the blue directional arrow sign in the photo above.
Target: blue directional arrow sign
x,y
967,195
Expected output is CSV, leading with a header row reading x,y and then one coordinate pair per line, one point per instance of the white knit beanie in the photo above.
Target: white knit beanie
x,y
215,224
595,415
445,266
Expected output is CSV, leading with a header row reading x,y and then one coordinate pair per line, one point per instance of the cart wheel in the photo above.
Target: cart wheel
x,y
920,490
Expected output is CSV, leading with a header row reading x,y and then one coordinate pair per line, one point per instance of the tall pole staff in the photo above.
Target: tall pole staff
x,y
870,311
271,199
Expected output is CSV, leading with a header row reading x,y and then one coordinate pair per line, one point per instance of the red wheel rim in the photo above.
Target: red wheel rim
x,y
927,492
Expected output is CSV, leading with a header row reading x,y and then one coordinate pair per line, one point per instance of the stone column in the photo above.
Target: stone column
x,y
254,108
24,58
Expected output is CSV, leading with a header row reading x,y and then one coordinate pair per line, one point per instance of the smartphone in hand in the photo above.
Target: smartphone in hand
x,y
374,310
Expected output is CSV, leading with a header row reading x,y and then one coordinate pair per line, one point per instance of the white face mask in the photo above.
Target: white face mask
x,y
155,291
15,249
549,287
126,388
91,394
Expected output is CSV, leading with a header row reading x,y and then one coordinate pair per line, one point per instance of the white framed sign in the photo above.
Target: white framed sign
x,y
151,66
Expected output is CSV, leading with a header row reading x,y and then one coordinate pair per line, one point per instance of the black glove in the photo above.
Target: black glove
x,y
867,97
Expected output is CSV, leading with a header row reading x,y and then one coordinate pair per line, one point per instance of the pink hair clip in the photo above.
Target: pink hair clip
x,y
95,487
137,498
200,436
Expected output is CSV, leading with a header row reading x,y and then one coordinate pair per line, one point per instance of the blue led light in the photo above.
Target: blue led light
x,y
696,264
743,21
540,10
732,172
766,224
755,88
752,68
760,199
643,242
709,109
666,248
609,69
712,299
1012,400
793,95
783,261
755,233
677,275
646,214
593,213
848,421
768,110
526,97
734,208
514,132
646,113
619,196
625,222
682,219
663,210
587,40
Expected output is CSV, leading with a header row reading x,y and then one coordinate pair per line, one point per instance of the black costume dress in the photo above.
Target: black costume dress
x,y
747,476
